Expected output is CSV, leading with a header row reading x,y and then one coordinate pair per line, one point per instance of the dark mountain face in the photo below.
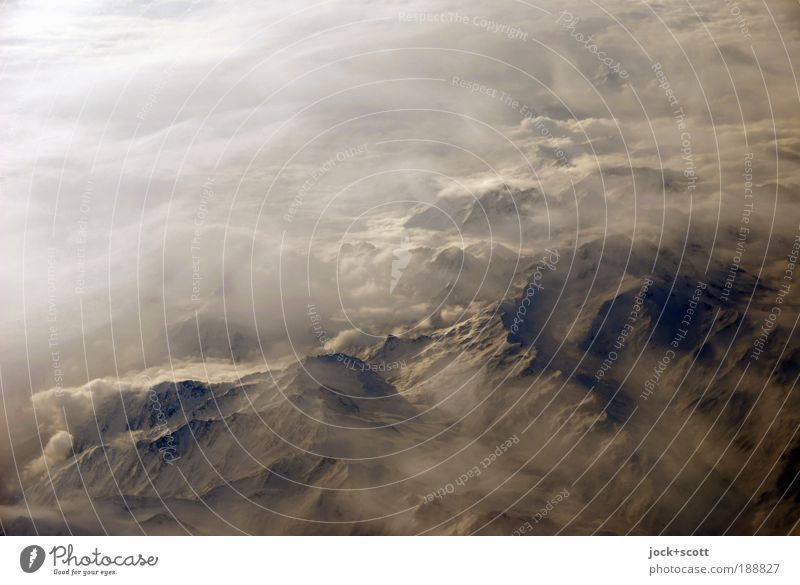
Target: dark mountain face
x,y
377,440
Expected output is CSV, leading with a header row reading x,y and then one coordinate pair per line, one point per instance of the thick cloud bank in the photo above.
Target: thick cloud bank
x,y
376,267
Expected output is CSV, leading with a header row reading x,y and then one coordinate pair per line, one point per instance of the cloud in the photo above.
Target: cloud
x,y
187,182
58,449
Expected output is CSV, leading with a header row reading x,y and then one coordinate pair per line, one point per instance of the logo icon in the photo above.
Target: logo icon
x,y
402,257
31,558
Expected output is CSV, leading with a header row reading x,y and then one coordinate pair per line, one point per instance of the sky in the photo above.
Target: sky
x,y
184,184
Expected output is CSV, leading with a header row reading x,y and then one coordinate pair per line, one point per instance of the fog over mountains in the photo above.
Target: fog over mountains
x,y
391,268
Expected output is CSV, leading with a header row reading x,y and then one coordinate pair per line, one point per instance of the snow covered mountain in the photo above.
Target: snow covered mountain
x,y
624,399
